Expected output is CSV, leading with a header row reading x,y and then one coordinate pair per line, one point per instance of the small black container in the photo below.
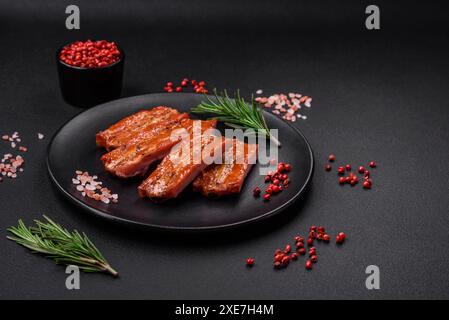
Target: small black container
x,y
87,87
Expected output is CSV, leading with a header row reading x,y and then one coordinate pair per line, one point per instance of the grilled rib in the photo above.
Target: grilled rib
x,y
121,132
227,178
180,168
140,152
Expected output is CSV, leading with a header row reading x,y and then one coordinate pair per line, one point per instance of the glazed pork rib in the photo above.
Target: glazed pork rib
x,y
227,178
120,133
177,170
140,152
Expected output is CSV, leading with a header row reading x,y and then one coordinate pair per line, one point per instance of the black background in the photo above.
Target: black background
x,y
378,95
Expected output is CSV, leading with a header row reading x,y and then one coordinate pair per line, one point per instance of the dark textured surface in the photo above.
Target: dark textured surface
x,y
377,96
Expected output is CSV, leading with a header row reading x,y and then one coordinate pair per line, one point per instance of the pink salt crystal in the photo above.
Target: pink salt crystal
x,y
105,200
90,187
308,103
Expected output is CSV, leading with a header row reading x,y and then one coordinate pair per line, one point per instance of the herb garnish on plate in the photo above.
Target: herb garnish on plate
x,y
236,113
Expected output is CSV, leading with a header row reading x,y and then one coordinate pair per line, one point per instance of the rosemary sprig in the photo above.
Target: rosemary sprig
x,y
64,247
236,113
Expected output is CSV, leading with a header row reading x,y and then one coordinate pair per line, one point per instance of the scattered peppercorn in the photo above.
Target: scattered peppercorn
x,y
310,241
367,184
278,180
340,238
256,192
309,265
282,258
197,87
351,179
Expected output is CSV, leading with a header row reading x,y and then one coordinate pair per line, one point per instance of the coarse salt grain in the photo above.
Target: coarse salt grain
x,y
259,91
308,103
10,165
286,105
40,136
88,186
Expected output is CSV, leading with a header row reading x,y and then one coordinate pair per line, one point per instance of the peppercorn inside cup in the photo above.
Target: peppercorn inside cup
x,y
90,72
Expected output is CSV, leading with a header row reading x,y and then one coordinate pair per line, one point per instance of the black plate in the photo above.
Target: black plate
x,y
73,147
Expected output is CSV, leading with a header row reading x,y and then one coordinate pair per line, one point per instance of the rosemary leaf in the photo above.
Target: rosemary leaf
x,y
236,113
64,247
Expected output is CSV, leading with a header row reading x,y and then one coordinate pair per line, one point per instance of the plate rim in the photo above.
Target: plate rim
x,y
110,217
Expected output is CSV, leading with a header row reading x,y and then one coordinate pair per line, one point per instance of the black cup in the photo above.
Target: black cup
x,y
86,87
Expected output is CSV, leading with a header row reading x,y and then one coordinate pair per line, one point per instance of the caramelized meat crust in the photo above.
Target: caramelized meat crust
x,y
183,164
223,179
121,132
140,152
